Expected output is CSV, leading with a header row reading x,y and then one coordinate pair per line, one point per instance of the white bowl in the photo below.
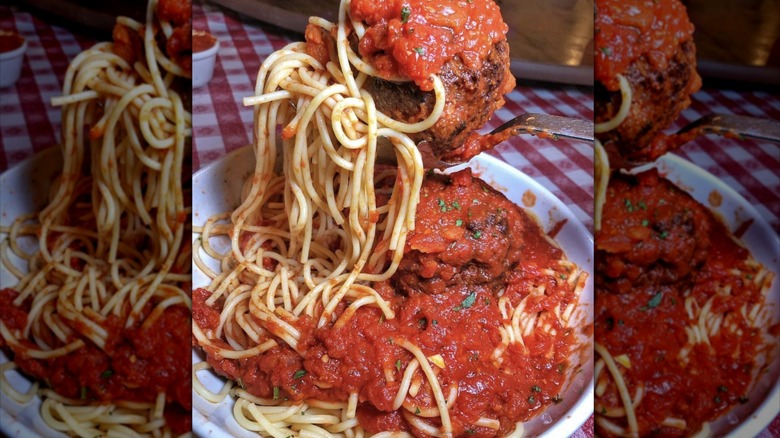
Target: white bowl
x,y
203,65
217,188
11,65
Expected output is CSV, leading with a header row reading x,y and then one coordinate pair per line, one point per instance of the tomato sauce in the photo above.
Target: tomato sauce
x,y
202,41
625,31
10,41
648,324
131,367
460,323
415,38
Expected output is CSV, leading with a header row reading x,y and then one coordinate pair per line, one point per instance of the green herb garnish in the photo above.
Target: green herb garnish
x,y
654,302
405,11
468,302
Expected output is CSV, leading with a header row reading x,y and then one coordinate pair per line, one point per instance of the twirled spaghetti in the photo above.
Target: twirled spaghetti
x,y
318,312
102,305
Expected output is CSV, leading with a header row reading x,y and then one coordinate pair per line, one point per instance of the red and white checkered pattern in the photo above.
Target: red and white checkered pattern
x,y
29,123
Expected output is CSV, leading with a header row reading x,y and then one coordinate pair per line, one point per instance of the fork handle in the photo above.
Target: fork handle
x,y
549,125
742,126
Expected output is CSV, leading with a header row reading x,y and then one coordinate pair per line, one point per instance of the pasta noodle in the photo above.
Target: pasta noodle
x,y
318,232
111,267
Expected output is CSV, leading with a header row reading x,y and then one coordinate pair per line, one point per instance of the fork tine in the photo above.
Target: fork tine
x,y
730,125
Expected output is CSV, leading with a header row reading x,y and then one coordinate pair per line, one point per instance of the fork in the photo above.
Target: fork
x,y
540,125
727,125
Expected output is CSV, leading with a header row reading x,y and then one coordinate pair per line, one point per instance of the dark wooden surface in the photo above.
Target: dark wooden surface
x,y
737,39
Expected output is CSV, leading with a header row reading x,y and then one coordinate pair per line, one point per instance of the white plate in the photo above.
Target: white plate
x,y
217,187
764,400
24,189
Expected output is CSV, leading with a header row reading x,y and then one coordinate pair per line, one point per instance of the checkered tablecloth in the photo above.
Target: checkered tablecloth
x,y
29,123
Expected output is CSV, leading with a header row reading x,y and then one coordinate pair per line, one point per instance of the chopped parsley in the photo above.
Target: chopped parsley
x,y
468,302
456,205
606,51
83,394
417,411
654,302
531,400
276,392
477,234
645,222
536,388
299,374
405,11
629,205
398,365
663,234
442,205
106,374
458,222
419,50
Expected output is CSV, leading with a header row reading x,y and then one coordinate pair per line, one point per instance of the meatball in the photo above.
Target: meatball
x,y
651,45
658,98
466,233
472,96
651,233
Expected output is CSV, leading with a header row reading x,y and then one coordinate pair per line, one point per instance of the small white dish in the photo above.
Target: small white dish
x,y
203,61
11,61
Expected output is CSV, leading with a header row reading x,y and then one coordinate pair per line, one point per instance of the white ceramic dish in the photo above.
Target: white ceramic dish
x,y
12,64
217,187
203,64
763,404
24,189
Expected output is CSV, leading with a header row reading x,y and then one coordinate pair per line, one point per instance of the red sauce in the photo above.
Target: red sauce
x,y
10,41
202,41
624,31
648,323
460,323
415,38
131,367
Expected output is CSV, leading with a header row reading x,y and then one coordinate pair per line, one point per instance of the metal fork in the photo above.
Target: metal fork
x,y
540,125
727,125
549,126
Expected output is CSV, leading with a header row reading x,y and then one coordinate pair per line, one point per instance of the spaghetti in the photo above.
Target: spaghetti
x,y
705,289
317,311
106,288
